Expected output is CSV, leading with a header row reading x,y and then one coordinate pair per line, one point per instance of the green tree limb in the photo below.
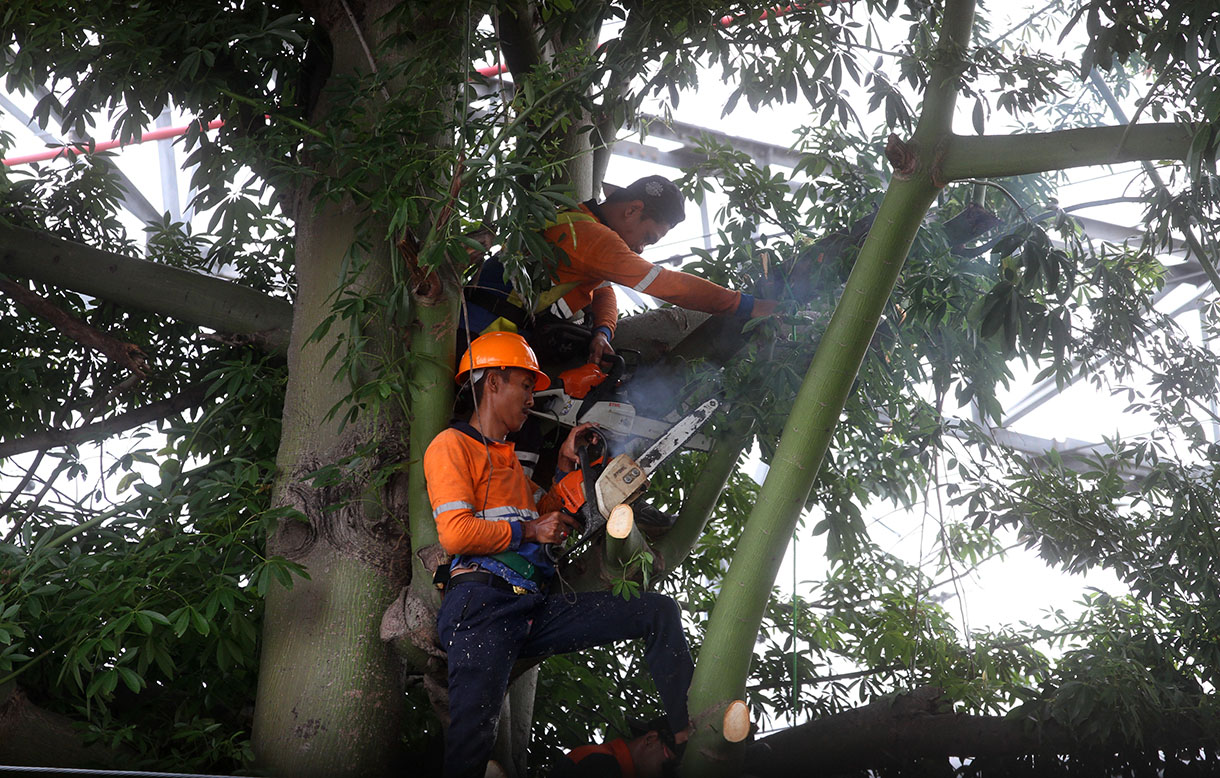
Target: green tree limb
x,y
1039,152
724,660
148,286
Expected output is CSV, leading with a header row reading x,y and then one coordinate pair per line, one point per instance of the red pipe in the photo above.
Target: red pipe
x,y
727,21
170,132
81,147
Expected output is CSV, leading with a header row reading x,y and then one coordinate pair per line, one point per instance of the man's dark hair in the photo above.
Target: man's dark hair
x,y
469,395
662,199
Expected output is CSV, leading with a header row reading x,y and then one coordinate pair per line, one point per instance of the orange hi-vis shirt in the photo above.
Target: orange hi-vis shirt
x,y
480,496
597,256
616,749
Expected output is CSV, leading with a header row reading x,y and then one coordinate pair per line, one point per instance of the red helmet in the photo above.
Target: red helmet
x,y
501,349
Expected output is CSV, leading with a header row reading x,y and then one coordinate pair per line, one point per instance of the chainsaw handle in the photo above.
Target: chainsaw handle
x,y
607,386
556,551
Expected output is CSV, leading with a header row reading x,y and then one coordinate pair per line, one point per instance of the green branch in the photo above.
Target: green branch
x,y
724,660
149,286
1041,152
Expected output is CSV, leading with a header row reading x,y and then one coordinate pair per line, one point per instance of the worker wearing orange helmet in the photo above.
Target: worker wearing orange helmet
x,y
497,605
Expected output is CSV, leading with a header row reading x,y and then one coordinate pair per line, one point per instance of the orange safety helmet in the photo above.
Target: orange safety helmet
x,y
501,349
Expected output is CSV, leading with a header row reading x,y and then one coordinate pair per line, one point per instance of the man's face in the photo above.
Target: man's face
x,y
650,756
515,397
636,229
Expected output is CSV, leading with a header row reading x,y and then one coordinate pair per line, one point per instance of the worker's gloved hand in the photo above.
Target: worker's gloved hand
x,y
582,434
552,527
599,348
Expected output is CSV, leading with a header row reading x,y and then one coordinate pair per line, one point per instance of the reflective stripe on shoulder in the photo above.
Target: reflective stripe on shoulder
x,y
451,506
647,280
562,309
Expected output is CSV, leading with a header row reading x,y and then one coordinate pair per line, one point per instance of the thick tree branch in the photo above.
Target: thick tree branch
x,y
519,42
920,725
128,355
1040,152
33,737
188,398
149,286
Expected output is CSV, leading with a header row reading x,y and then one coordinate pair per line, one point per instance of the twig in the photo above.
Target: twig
x,y
994,185
190,397
126,354
18,489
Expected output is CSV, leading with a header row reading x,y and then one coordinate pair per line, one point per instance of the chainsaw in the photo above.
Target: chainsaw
x,y
594,490
587,394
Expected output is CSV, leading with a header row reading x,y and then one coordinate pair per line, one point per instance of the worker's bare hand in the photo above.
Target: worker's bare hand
x,y
552,527
600,348
582,434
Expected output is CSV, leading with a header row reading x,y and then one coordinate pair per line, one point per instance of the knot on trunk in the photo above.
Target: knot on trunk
x,y
901,155
352,510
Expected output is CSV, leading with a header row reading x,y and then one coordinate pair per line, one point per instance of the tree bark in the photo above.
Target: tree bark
x,y
33,737
330,697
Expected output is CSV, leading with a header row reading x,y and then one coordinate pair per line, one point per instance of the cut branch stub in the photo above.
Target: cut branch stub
x,y
426,283
620,521
736,724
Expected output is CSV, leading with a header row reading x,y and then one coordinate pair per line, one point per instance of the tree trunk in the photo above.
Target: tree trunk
x,y
330,699
330,695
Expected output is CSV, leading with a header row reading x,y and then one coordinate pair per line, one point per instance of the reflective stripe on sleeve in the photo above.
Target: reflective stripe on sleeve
x,y
506,513
451,506
562,309
647,280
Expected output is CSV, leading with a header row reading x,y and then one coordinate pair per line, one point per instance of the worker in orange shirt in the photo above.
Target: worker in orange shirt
x,y
601,243
497,605
651,752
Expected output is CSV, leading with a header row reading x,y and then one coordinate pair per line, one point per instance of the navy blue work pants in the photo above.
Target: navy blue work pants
x,y
485,630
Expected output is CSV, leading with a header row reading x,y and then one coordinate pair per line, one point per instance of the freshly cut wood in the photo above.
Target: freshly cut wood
x,y
622,519
736,722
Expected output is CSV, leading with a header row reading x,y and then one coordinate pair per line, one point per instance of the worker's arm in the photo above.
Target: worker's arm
x,y
605,319
605,308
568,460
450,477
597,252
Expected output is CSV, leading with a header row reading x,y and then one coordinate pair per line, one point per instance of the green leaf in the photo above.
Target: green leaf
x,y
181,619
201,624
133,681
